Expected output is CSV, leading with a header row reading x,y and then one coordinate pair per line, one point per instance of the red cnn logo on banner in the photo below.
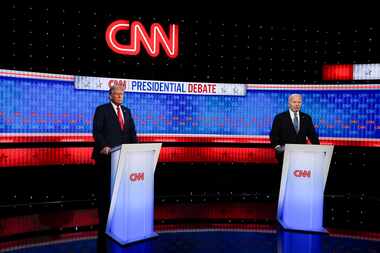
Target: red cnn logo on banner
x,y
120,83
302,173
140,36
139,176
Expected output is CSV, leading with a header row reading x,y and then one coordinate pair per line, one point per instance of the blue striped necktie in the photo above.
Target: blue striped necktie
x,y
295,122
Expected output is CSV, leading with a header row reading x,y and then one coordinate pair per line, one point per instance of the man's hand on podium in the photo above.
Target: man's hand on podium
x,y
280,148
105,151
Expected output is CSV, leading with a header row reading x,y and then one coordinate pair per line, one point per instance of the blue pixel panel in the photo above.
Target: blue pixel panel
x,y
31,106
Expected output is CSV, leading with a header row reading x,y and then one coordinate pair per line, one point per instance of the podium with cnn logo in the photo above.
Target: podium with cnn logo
x,y
304,175
131,214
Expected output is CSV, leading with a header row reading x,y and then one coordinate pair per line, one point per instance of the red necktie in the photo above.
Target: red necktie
x,y
120,118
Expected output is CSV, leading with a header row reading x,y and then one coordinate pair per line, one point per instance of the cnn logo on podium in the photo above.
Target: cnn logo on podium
x,y
302,173
137,176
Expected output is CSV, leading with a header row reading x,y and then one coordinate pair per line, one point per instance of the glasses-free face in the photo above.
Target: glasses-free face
x,y
117,96
295,103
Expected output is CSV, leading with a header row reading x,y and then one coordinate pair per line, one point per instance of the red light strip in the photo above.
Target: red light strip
x,y
30,138
35,75
337,72
16,157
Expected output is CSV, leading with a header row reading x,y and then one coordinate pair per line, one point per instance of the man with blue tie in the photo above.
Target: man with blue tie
x,y
113,125
292,126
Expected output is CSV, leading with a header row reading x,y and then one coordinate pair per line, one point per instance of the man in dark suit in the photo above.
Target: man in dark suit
x,y
292,126
113,125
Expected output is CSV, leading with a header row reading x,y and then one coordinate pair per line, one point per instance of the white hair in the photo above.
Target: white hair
x,y
294,95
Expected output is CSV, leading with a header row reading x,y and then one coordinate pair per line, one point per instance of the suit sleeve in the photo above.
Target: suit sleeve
x,y
312,134
133,129
275,132
98,128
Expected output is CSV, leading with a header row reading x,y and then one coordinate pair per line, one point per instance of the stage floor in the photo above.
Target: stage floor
x,y
200,240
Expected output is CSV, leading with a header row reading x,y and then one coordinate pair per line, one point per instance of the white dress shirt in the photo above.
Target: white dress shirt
x,y
292,116
115,109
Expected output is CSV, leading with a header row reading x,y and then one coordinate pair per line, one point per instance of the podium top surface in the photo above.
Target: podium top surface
x,y
138,147
309,147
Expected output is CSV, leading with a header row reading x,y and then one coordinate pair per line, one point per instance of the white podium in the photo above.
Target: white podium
x,y
131,214
304,175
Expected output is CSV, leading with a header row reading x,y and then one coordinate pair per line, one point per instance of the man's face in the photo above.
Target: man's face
x,y
295,103
117,96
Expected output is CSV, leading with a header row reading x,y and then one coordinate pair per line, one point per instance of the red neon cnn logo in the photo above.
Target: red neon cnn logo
x,y
139,176
140,36
302,173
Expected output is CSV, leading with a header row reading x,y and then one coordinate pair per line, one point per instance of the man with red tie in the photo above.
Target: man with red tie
x,y
113,125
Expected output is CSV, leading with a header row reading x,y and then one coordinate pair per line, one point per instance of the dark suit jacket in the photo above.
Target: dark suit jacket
x,y
283,130
106,129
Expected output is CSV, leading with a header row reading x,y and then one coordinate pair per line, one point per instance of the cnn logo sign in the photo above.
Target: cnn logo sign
x,y
139,36
120,83
135,177
302,173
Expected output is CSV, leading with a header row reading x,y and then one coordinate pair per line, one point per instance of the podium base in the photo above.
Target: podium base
x,y
129,241
303,230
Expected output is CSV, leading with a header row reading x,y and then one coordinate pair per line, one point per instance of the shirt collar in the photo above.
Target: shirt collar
x,y
114,105
292,113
